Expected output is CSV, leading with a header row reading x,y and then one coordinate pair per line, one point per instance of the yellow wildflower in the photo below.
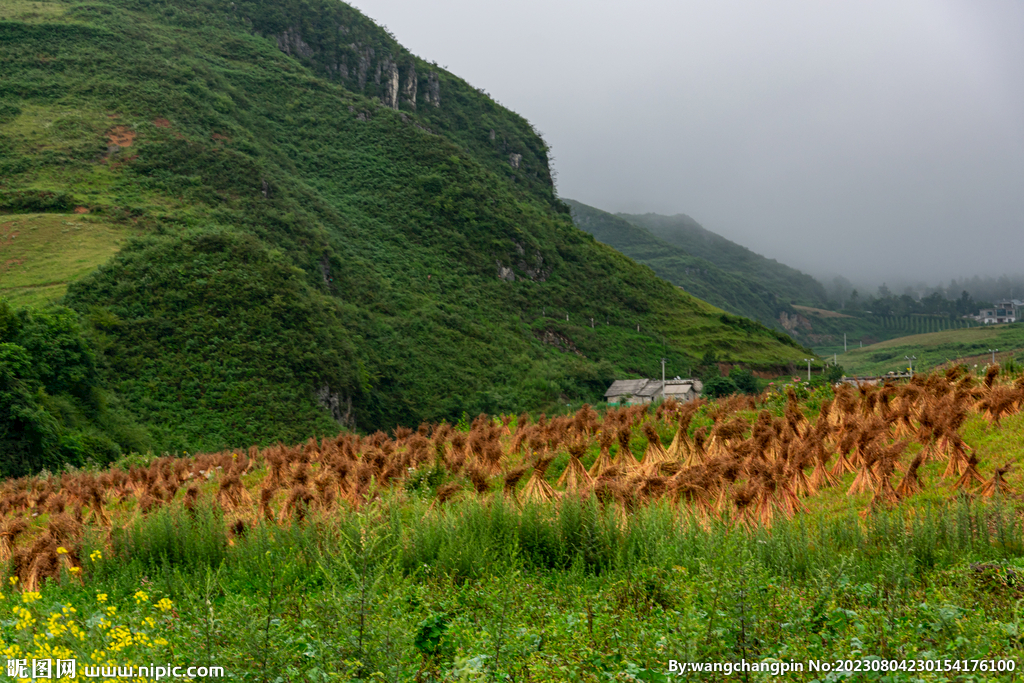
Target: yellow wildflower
x,y
61,550
141,596
14,580
164,605
75,570
101,597
95,555
30,596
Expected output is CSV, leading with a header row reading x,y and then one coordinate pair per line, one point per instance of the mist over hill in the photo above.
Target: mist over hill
x,y
786,283
698,275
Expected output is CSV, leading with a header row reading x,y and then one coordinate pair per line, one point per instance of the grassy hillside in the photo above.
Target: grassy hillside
x,y
315,228
877,526
788,284
970,346
824,330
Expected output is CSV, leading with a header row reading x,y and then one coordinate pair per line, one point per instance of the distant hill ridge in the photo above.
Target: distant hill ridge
x,y
786,283
706,265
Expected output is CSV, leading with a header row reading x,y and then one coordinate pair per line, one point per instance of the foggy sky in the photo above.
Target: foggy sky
x,y
872,139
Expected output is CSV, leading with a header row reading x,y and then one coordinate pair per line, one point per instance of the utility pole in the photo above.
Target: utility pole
x,y
844,342
808,368
993,352
662,378
911,359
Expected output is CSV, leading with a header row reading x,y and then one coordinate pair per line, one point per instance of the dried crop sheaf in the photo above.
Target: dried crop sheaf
x,y
604,460
537,489
575,477
997,484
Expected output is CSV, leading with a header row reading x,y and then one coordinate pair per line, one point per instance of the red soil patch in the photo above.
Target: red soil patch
x,y
218,136
122,136
161,123
81,209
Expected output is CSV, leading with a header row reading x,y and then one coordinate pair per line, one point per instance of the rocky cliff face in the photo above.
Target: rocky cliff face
x,y
795,322
337,41
354,63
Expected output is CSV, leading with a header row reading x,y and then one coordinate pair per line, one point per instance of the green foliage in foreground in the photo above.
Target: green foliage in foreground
x,y
309,256
470,592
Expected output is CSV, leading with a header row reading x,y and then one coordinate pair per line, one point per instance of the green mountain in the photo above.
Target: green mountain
x,y
696,275
297,224
787,284
736,279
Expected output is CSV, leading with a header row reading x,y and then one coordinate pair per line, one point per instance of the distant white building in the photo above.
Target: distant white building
x,y
633,391
1005,311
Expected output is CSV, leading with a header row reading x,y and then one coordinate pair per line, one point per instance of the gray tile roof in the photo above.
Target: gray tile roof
x,y
621,387
652,387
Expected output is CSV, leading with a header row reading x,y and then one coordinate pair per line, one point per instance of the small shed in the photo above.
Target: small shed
x,y
634,391
682,390
630,391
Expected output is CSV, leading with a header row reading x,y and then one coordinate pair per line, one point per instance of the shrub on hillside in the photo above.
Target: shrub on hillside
x,y
718,387
744,380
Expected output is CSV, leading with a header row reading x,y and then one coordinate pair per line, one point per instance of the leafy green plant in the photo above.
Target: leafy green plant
x,y
717,387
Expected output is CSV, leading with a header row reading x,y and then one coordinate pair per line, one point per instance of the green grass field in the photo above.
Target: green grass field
x,y
41,253
970,346
30,11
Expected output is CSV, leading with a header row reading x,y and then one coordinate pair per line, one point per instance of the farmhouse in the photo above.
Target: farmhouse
x,y
1005,311
633,391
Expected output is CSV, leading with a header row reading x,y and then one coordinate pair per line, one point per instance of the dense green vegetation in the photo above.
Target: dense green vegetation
x,y
52,412
324,228
935,304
